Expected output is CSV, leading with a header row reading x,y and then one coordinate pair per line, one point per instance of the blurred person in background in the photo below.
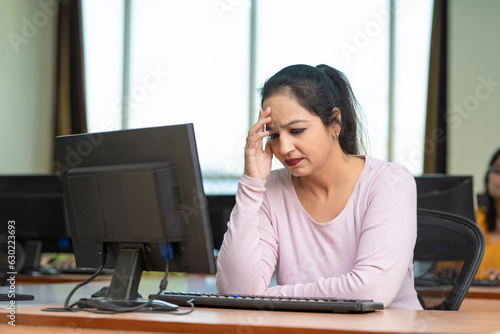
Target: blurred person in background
x,y
488,219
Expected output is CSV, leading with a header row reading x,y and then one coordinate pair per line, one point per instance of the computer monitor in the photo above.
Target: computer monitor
x,y
219,209
446,193
137,192
36,204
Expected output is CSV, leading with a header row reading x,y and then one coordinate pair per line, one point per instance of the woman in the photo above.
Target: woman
x,y
332,223
488,219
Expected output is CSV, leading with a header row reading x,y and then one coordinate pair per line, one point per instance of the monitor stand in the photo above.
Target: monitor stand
x,y
12,295
32,255
123,291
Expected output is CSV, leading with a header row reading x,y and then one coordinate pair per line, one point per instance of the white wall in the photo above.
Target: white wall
x,y
473,86
27,67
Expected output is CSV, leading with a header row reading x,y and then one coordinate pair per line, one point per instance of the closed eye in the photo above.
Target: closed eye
x,y
273,136
292,131
296,131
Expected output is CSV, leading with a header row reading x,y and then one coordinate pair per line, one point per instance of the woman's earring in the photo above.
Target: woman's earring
x,y
337,134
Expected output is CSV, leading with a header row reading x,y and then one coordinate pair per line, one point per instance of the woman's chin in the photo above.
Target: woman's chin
x,y
296,172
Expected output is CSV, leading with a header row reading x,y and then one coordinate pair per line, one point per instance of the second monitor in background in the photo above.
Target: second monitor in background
x,y
34,203
446,193
219,209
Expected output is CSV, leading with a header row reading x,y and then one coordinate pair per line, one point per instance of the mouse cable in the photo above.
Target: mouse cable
x,y
167,255
102,250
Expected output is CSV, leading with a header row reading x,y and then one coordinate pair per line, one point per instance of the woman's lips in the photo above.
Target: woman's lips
x,y
293,162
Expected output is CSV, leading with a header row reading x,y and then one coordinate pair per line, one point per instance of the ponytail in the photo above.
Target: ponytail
x,y
346,102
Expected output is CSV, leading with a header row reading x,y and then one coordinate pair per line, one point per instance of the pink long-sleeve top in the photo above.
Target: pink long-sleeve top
x,y
366,252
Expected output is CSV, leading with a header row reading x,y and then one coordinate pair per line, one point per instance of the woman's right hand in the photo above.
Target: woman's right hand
x,y
258,160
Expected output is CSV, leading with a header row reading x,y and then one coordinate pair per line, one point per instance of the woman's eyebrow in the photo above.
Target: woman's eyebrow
x,y
283,126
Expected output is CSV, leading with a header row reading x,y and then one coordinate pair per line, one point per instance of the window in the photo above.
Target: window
x,y
202,62
103,52
189,64
412,40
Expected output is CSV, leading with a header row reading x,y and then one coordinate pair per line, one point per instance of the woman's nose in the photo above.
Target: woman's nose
x,y
286,145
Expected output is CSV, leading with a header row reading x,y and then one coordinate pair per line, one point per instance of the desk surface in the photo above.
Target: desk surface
x,y
181,282
480,304
485,292
475,315
53,292
204,320
60,278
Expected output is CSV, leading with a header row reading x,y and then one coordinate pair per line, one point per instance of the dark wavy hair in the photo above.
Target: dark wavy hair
x,y
491,210
320,89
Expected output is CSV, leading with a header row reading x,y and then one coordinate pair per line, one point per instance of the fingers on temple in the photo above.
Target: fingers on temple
x,y
256,137
265,112
259,125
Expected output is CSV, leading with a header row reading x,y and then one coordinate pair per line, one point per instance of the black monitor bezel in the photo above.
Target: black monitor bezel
x,y
448,193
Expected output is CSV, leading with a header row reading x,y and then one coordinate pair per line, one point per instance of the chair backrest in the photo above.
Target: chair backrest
x,y
447,254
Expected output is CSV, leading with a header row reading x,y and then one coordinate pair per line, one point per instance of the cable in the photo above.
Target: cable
x,y
93,306
163,282
90,279
93,310
163,287
190,302
99,307
102,250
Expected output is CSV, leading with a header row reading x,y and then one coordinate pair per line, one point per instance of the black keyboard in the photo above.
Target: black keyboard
x,y
268,303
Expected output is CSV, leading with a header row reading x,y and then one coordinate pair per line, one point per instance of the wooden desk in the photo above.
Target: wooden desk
x,y
51,292
475,315
484,292
480,304
196,282
62,278
204,320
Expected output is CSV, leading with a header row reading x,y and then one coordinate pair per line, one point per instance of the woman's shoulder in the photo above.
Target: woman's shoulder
x,y
380,170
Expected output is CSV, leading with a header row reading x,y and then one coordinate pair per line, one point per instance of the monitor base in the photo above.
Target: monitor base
x,y
4,297
139,305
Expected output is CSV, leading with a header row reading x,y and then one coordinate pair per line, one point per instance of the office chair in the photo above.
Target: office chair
x,y
447,254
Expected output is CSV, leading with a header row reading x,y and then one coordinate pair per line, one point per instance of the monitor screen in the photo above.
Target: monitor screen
x,y
36,204
135,192
219,209
446,193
